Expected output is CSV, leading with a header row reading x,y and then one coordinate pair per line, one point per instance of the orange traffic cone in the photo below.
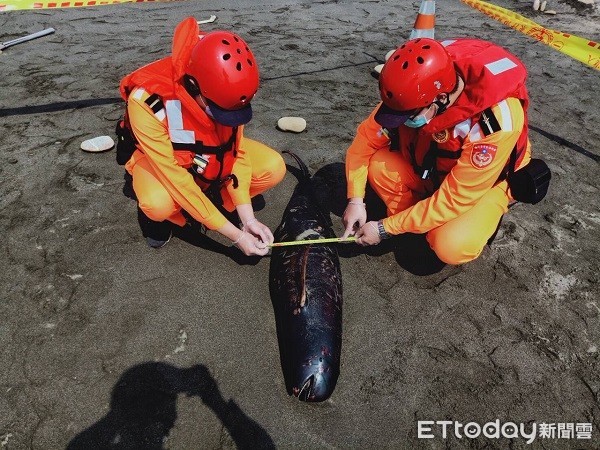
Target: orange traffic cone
x,y
425,24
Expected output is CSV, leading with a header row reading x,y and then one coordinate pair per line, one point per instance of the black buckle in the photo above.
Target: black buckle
x,y
530,183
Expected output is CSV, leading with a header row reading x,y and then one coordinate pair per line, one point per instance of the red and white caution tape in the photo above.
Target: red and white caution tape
x,y
13,5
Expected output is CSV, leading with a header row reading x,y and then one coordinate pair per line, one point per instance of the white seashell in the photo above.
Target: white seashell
x,y
536,5
378,68
388,54
211,19
98,144
543,6
293,124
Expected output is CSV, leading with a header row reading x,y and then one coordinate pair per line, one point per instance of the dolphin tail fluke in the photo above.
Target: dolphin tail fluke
x,y
305,172
306,391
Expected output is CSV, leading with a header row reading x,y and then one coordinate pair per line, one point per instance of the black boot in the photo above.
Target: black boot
x,y
128,187
157,234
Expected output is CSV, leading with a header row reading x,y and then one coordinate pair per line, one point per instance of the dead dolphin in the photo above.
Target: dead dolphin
x,y
306,291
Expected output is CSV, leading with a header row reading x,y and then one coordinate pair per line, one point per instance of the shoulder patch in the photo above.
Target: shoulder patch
x,y
482,155
488,122
441,136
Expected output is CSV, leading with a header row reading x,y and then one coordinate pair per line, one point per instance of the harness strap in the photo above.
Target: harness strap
x,y
394,136
217,183
156,104
448,154
200,147
511,165
429,170
214,188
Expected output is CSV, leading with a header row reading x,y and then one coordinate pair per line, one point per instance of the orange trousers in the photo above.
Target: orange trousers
x,y
268,169
459,240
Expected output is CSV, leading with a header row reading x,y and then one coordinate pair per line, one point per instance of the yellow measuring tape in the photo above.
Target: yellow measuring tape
x,y
12,5
314,241
583,50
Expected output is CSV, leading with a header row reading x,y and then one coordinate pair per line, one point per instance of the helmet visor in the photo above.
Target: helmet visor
x,y
229,117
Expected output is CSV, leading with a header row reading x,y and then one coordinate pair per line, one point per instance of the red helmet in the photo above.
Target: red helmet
x,y
225,70
415,74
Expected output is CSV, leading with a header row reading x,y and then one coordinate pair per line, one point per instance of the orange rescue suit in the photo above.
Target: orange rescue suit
x,y
171,128
460,205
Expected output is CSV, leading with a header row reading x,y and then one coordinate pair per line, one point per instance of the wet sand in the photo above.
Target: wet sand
x,y
105,340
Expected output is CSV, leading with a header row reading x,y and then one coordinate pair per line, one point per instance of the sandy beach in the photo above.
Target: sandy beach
x,y
106,341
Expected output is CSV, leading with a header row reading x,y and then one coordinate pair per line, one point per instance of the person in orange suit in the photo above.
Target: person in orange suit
x,y
192,161
439,148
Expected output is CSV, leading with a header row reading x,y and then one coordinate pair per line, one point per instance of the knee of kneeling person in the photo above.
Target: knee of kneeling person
x,y
382,171
278,170
376,163
274,170
158,207
454,250
375,172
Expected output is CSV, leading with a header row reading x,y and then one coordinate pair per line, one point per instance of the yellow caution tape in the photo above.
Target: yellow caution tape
x,y
583,50
12,5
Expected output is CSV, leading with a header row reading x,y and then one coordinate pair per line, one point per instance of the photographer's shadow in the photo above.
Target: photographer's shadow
x,y
411,251
143,410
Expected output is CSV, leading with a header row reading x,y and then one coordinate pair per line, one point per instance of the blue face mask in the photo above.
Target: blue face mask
x,y
420,120
417,122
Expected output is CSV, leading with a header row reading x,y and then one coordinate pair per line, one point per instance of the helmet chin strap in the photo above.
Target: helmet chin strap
x,y
209,112
442,106
191,86
450,97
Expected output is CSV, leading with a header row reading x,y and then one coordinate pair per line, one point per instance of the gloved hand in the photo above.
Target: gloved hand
x,y
250,244
368,234
259,230
251,240
354,212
